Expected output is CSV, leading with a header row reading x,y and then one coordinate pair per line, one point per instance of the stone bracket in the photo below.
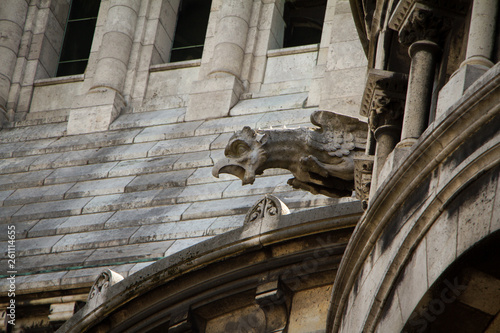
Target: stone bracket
x,y
274,298
184,321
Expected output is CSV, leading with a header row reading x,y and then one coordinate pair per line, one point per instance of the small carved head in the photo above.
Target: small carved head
x,y
244,156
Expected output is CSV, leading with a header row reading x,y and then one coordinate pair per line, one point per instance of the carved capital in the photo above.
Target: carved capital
x,y
456,9
424,24
363,169
385,111
384,98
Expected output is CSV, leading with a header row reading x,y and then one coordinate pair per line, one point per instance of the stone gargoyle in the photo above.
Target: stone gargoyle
x,y
321,159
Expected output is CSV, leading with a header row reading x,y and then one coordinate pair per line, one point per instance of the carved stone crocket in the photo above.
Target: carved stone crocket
x,y
321,159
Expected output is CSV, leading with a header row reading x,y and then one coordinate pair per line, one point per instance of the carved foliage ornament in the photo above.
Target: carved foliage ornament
x,y
321,159
385,111
267,207
424,24
105,280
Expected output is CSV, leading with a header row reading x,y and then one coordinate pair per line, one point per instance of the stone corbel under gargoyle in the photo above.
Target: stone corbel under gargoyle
x,y
321,159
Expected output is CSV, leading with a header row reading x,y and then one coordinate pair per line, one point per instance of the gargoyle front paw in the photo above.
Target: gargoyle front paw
x,y
311,164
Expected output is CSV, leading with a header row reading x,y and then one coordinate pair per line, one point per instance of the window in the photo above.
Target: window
x,y
303,22
78,37
192,21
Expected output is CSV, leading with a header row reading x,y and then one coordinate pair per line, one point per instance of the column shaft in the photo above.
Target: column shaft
x,y
231,37
424,55
482,32
387,137
116,46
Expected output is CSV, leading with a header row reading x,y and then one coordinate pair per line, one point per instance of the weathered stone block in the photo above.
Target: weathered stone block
x,y
140,166
93,239
37,245
83,223
38,194
98,187
148,215
159,180
80,173
50,209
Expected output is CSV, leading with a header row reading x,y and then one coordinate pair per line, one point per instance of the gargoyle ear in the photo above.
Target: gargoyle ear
x,y
248,133
262,137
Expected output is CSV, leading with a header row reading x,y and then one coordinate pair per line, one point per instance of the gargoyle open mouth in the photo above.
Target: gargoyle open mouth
x,y
228,166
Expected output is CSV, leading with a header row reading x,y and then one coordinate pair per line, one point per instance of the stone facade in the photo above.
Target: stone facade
x,y
106,176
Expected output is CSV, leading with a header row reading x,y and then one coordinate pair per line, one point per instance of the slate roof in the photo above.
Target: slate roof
x,y
131,195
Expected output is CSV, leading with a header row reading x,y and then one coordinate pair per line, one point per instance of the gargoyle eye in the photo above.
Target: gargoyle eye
x,y
237,148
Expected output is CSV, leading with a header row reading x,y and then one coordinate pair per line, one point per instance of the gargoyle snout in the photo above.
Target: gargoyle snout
x,y
229,166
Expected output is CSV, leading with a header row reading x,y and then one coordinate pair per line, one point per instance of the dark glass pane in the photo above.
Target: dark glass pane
x,y
304,22
84,9
186,54
78,40
192,21
71,68
78,37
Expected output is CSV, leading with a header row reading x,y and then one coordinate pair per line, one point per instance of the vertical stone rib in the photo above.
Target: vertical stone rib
x,y
116,46
231,37
12,18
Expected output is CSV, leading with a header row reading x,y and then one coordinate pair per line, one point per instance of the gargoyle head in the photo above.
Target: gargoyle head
x,y
245,156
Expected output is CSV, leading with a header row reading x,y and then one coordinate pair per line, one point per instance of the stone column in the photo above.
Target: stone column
x,y
383,104
482,33
385,123
102,103
223,84
479,52
12,18
231,38
423,32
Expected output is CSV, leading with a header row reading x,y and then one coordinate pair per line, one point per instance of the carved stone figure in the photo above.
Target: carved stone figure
x,y
321,159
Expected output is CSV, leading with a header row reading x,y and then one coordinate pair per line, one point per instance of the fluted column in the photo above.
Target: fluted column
x,y
12,18
423,32
96,109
